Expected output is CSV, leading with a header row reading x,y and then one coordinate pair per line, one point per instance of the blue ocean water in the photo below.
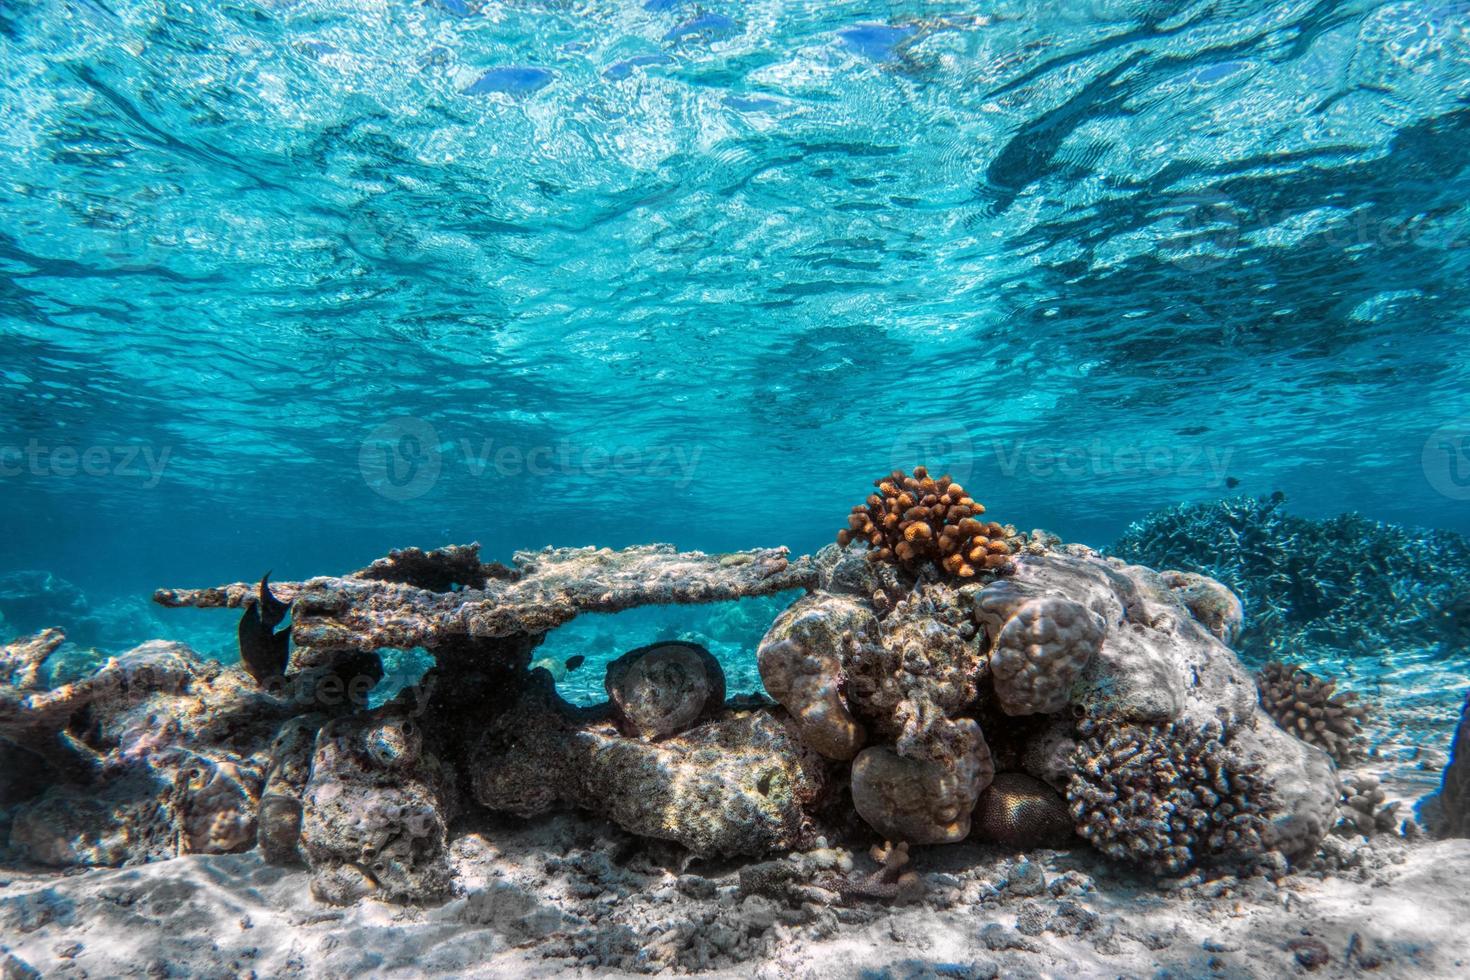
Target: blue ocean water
x,y
285,284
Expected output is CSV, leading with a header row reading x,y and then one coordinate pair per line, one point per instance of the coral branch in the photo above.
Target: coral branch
x,y
388,605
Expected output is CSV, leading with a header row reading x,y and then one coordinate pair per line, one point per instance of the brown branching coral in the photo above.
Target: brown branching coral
x,y
1311,709
1168,797
913,520
1364,809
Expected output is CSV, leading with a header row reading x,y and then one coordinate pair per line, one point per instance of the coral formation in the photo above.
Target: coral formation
x,y
664,688
915,520
1364,809
1347,583
1311,709
1021,812
739,783
1168,797
155,754
369,609
1039,649
883,674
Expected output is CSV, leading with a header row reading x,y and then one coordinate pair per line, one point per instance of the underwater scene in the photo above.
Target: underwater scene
x,y
751,490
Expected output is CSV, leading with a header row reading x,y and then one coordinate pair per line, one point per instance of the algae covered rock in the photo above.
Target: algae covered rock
x,y
739,783
801,662
376,810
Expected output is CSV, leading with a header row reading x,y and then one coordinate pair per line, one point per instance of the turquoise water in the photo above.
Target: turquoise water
x,y
287,284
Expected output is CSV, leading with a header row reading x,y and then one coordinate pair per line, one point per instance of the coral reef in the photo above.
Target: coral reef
x,y
1347,583
900,688
1311,709
916,520
1168,797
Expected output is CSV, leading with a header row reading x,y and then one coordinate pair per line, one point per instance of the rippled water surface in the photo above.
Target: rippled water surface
x,y
284,284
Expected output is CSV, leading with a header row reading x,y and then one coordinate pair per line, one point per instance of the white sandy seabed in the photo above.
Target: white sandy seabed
x,y
573,897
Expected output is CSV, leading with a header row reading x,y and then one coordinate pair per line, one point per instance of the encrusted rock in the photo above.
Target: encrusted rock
x,y
921,801
1210,602
741,783
664,688
376,809
801,665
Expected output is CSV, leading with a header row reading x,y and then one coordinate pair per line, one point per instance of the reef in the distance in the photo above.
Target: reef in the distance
x,y
960,682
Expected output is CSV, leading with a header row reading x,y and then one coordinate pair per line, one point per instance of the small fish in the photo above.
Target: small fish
x,y
264,652
1232,482
575,661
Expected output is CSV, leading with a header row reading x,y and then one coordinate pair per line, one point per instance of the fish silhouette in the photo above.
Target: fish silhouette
x,y
576,661
263,651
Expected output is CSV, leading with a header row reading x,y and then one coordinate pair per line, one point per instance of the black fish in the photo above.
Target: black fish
x,y
574,662
1232,482
262,650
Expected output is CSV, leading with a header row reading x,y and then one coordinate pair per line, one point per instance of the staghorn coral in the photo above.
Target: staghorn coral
x,y
664,688
1313,586
1039,648
1021,812
1311,709
1168,797
917,520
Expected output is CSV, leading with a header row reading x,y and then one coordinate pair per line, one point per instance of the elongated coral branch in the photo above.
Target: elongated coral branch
x,y
388,605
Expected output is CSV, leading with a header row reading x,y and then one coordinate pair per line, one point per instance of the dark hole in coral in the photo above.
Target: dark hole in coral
x,y
764,783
